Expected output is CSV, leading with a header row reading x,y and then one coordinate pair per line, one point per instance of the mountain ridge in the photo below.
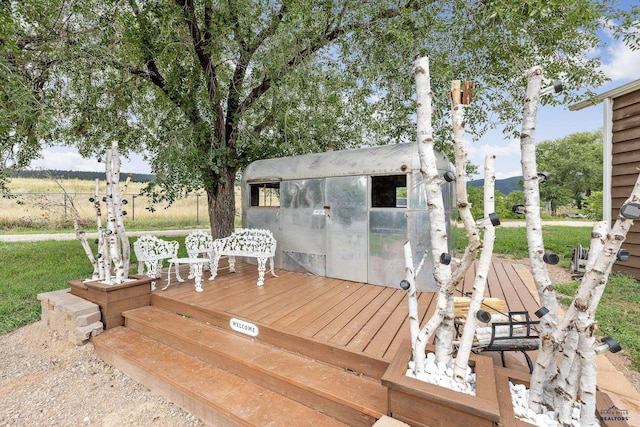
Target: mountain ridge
x,y
505,186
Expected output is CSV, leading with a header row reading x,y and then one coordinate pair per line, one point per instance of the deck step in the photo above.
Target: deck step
x,y
326,390
216,396
353,399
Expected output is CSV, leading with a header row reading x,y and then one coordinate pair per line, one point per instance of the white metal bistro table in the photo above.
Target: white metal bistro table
x,y
195,263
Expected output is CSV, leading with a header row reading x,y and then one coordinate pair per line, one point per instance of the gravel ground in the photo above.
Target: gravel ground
x,y
47,381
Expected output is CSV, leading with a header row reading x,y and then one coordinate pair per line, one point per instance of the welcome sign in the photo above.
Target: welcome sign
x,y
244,327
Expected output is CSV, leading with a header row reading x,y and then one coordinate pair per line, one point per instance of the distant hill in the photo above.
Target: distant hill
x,y
91,176
505,186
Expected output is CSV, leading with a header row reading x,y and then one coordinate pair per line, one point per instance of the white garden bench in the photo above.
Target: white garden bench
x,y
246,242
151,252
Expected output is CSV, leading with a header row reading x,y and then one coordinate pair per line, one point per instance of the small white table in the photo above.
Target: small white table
x,y
195,263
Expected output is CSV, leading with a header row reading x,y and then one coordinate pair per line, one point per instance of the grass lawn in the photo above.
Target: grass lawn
x,y
30,268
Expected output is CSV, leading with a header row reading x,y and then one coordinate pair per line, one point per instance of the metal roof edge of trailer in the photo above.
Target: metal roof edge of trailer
x,y
378,160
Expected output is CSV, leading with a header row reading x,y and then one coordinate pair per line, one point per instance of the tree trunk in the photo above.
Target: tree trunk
x,y
221,204
545,364
412,296
480,282
437,217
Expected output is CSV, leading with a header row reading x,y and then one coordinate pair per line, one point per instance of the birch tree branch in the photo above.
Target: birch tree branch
x,y
412,296
470,324
462,200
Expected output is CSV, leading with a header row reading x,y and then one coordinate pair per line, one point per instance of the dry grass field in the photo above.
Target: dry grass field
x,y
41,204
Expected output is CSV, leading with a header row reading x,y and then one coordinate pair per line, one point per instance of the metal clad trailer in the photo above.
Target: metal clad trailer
x,y
345,214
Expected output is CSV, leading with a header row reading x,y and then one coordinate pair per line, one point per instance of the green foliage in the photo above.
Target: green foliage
x,y
621,300
207,87
503,204
475,196
574,164
592,206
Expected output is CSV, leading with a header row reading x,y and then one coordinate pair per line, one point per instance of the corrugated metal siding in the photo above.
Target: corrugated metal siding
x,y
625,165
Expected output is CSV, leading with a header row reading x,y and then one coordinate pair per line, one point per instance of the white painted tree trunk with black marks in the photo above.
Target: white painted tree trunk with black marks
x,y
102,267
574,379
412,295
437,219
111,263
80,235
462,201
545,363
112,164
482,272
441,322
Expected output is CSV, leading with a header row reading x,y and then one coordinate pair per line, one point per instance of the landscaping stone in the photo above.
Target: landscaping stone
x,y
70,316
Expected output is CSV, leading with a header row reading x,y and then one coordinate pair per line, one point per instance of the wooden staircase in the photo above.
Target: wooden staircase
x,y
228,379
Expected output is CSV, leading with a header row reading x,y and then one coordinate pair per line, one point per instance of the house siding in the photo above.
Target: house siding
x,y
625,161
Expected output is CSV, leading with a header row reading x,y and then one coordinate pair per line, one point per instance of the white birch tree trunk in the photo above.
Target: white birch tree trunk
x,y
101,252
580,316
470,324
585,327
545,366
110,233
567,380
412,296
437,218
462,200
122,234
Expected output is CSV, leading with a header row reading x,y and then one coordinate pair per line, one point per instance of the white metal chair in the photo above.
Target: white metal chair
x,y
199,242
151,251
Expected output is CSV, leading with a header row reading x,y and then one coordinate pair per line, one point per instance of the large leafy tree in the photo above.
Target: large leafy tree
x,y
26,59
205,87
574,164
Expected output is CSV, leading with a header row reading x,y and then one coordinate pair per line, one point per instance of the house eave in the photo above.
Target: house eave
x,y
613,93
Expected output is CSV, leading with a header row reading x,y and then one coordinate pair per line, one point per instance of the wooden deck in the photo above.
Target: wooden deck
x,y
332,313
314,334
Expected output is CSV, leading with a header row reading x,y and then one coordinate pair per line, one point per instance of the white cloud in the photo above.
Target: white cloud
x,y
507,154
63,158
66,160
501,149
623,63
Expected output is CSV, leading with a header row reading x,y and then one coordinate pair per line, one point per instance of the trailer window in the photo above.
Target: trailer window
x,y
265,194
389,191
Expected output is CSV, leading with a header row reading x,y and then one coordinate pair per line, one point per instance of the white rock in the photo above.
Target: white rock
x,y
519,411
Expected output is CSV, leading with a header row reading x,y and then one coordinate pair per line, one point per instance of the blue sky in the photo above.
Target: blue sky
x,y
620,64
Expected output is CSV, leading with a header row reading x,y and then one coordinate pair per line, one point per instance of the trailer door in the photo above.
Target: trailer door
x,y
347,225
